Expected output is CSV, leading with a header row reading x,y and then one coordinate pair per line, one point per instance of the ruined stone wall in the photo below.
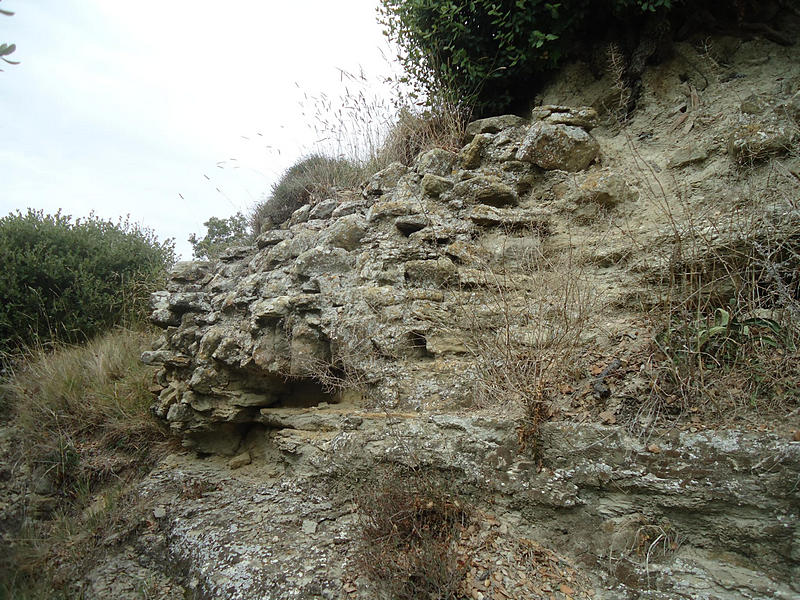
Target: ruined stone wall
x,y
351,339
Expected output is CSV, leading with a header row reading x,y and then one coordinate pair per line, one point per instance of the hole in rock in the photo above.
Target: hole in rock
x,y
411,224
304,393
418,345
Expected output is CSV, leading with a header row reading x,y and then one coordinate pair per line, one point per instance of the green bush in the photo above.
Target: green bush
x,y
69,280
312,178
493,53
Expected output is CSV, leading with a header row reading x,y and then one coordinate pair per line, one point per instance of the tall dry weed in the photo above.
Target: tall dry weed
x,y
524,327
374,130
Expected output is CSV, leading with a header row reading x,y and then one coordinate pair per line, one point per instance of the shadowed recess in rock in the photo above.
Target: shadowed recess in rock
x,y
304,393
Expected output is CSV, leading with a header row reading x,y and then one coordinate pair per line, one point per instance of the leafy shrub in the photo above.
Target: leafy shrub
x,y
310,179
493,53
7,49
220,234
69,280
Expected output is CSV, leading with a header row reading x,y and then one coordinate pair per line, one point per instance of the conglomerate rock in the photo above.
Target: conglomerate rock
x,y
353,292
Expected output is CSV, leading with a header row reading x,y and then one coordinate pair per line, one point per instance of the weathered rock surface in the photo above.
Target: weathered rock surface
x,y
686,515
755,138
359,291
272,356
563,147
584,116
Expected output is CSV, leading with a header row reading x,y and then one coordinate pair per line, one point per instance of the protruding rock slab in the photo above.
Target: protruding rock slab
x,y
721,506
493,125
582,116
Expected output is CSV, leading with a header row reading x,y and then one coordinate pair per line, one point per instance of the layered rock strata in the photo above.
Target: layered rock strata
x,y
374,292
689,515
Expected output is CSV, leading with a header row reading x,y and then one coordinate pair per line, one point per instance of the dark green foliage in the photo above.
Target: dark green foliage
x,y
69,280
310,179
221,234
7,49
473,50
491,53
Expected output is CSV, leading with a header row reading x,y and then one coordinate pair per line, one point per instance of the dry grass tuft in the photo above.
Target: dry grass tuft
x,y
409,527
85,431
415,132
83,411
375,131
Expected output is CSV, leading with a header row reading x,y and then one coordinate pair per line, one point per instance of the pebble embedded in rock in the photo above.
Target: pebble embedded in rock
x,y
240,460
309,527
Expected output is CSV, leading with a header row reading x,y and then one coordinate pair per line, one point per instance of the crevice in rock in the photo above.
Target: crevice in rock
x,y
418,345
305,393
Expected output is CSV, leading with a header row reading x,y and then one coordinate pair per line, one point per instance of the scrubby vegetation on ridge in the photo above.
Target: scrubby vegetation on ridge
x,y
70,280
312,177
318,176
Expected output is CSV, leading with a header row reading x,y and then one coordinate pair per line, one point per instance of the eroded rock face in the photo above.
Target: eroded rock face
x,y
353,288
360,293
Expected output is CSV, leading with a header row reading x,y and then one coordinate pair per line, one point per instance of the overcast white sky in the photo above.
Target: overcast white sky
x,y
122,108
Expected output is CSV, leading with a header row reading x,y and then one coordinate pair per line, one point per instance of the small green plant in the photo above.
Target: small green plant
x,y
727,335
220,234
70,280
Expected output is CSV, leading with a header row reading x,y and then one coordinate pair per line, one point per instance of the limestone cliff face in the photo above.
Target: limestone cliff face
x,y
371,290
406,323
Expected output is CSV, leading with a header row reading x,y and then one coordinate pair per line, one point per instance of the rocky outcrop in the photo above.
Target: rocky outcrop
x,y
351,341
357,292
685,515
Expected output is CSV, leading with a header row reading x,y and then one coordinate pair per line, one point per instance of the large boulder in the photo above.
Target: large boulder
x,y
558,147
